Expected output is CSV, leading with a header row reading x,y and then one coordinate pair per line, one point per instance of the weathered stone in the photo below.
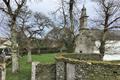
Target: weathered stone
x,y
92,56
44,72
70,72
91,69
69,68
33,74
60,71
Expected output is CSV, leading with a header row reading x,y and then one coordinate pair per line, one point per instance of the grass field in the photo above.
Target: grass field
x,y
25,68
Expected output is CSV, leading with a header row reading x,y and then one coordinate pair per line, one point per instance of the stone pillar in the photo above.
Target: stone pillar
x,y
2,71
70,71
60,71
33,72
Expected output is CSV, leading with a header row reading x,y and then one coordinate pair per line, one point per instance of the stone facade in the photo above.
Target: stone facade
x,y
90,69
85,42
43,71
60,70
69,67
97,71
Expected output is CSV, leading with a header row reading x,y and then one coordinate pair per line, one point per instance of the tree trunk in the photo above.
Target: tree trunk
x,y
29,59
71,15
102,41
102,48
15,62
14,48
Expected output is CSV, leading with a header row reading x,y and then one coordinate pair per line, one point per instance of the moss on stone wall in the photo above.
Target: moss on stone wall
x,y
84,56
97,72
45,72
91,69
84,66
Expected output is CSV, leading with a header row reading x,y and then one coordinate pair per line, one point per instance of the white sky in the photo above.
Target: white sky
x,y
44,6
47,6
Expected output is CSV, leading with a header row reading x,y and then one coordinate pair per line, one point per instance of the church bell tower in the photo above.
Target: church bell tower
x,y
83,18
84,41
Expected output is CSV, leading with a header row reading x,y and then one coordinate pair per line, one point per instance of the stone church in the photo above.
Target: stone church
x,y
88,40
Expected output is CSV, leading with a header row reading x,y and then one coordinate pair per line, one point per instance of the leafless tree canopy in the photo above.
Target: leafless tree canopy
x,y
108,13
12,8
108,17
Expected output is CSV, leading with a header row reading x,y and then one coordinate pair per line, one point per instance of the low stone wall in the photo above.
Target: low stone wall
x,y
43,71
69,68
92,56
97,71
74,69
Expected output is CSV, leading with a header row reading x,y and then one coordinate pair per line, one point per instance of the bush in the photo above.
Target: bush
x,y
45,50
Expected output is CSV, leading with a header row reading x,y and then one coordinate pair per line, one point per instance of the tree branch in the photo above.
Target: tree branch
x,y
113,21
114,27
7,3
17,2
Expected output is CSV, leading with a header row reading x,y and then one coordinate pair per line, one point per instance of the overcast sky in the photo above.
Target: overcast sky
x,y
48,6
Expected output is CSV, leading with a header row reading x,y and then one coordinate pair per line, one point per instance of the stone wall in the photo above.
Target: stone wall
x,y
84,69
91,56
97,71
60,70
67,67
43,71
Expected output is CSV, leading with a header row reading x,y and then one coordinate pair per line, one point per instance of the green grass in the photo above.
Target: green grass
x,y
25,68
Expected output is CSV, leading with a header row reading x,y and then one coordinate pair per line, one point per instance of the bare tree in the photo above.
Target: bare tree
x,y
71,6
33,24
23,24
69,17
108,12
13,13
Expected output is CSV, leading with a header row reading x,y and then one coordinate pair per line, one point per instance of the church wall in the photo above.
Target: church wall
x,y
84,42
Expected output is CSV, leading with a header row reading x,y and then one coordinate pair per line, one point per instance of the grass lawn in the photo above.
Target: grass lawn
x,y
25,68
